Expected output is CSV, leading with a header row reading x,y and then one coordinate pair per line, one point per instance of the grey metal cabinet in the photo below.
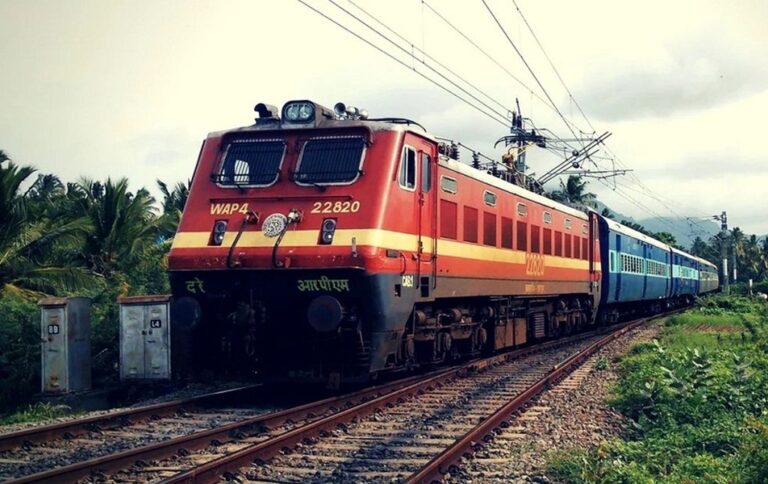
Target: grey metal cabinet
x,y
145,338
66,344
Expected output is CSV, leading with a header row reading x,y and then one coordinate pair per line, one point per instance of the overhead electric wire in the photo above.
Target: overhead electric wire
x,y
401,62
456,85
490,57
530,70
427,55
552,65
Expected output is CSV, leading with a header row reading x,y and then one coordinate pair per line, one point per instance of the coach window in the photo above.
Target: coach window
x,y
407,177
426,174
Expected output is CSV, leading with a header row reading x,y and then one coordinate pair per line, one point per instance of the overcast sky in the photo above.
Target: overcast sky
x,y
130,88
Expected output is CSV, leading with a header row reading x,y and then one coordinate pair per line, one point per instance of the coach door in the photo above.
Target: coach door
x,y
594,271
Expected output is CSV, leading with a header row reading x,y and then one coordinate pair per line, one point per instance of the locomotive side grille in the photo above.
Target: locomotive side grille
x,y
330,160
539,330
251,162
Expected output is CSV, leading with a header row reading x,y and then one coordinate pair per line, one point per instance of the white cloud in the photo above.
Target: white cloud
x,y
130,89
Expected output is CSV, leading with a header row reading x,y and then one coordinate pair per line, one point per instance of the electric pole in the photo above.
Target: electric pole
x,y
723,218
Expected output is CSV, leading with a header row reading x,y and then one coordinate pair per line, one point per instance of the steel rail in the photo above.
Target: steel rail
x,y
72,428
435,469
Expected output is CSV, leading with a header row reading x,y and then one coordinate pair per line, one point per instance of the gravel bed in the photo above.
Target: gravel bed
x,y
571,415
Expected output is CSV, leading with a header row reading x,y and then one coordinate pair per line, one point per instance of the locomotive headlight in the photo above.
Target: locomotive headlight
x,y
299,112
327,230
219,230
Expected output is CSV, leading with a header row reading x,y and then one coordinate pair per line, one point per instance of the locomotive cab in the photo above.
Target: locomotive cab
x,y
290,256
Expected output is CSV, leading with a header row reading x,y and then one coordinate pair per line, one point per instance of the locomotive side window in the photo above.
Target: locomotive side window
x,y
407,178
426,174
470,224
449,185
489,228
489,198
251,163
506,233
522,209
330,160
547,218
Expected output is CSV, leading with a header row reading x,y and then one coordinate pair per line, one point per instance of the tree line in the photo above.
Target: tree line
x,y
92,238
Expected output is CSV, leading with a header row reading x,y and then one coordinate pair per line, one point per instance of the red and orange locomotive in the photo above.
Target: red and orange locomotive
x,y
321,245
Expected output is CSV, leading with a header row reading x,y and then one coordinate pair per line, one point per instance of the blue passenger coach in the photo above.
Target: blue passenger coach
x,y
708,278
685,276
635,266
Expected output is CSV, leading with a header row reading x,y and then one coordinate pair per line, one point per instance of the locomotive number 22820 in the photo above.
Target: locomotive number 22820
x,y
336,207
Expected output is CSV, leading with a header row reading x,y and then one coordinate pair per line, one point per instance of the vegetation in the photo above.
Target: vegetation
x,y
698,401
92,238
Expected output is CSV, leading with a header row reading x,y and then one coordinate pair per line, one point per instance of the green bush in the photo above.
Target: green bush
x,y
19,351
698,403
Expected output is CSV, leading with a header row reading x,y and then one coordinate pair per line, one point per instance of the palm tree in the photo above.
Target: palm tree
x,y
30,246
607,213
173,206
666,238
573,191
124,224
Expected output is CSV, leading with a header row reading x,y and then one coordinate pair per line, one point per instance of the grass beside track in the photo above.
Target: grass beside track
x,y
696,399
38,412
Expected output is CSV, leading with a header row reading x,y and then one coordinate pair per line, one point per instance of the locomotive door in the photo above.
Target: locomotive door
x,y
427,250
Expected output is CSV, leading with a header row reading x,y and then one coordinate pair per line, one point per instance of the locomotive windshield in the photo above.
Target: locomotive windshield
x,y
330,160
251,162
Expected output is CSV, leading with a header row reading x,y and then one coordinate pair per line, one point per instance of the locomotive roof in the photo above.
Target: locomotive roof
x,y
373,125
467,170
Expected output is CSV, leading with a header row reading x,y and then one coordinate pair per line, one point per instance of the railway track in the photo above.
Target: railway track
x,y
54,445
418,427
